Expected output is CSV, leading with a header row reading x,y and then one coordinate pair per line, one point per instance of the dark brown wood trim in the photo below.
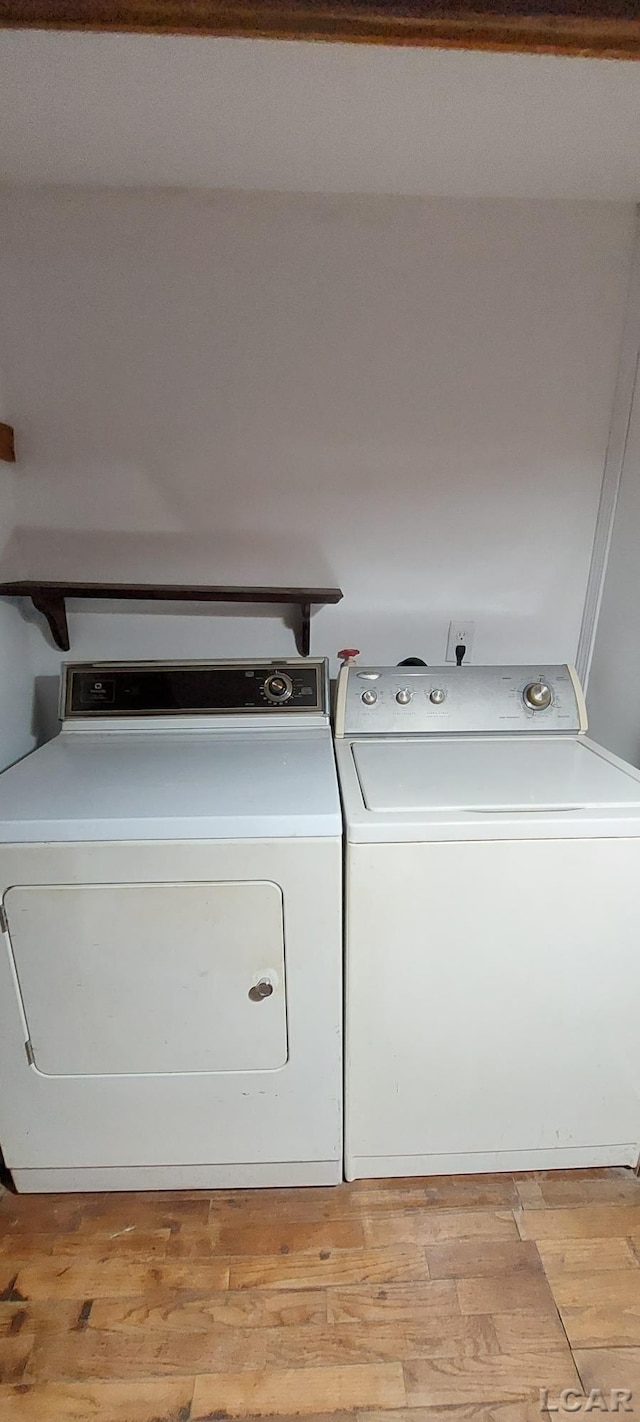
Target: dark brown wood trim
x,y
49,598
7,444
604,28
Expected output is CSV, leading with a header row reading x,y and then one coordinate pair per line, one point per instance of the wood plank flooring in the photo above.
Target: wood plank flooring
x,y
453,1299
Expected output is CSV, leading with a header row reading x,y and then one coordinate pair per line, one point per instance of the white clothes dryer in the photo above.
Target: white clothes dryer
x,y
171,974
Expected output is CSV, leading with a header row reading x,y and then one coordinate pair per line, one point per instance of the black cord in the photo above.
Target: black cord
x,y
460,653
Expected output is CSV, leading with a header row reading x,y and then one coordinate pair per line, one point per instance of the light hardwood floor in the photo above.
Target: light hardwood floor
x,y
395,1301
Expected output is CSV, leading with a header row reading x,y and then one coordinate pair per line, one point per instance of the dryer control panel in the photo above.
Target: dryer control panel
x,y
458,700
159,689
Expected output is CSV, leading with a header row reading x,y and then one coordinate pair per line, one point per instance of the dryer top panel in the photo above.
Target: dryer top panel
x,y
176,785
93,691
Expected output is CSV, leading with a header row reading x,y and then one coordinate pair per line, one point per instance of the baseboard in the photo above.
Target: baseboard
x,y
177,1177
380,1167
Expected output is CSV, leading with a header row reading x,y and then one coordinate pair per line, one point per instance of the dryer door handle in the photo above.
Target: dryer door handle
x,y
261,990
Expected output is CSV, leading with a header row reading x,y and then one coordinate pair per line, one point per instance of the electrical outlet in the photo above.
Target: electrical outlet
x,y
461,633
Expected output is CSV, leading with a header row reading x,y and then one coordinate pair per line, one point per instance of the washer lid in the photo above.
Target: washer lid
x,y
491,776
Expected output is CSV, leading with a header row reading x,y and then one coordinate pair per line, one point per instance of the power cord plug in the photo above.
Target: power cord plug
x,y
460,653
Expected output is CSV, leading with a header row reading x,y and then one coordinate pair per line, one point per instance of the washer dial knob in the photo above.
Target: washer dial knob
x,y
403,696
437,696
369,698
537,696
278,687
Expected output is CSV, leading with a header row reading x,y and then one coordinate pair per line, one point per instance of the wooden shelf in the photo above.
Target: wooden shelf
x,y
607,28
50,598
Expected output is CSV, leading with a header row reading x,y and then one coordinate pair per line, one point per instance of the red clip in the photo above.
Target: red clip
x,y
348,654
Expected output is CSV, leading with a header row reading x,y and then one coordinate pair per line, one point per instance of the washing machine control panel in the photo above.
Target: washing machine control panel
x,y
458,700
111,689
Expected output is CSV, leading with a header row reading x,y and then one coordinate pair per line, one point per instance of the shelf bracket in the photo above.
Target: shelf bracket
x,y
53,606
7,444
304,637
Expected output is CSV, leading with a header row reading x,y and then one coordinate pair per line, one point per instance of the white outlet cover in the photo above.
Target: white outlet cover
x,y
461,629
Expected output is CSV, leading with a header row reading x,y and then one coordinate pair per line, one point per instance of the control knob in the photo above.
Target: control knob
x,y
537,696
369,698
437,696
403,696
278,688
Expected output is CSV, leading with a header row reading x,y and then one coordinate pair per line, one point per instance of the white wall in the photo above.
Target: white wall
x,y
288,116
614,682
16,674
407,397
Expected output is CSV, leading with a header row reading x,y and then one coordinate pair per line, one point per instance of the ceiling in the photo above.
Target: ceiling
x,y
290,116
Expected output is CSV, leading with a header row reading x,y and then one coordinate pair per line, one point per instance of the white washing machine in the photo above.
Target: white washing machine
x,y
492,924
171,974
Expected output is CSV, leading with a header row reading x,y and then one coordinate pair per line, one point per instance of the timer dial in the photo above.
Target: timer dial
x,y
278,687
537,696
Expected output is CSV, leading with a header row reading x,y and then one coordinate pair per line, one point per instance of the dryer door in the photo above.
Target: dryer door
x,y
119,979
